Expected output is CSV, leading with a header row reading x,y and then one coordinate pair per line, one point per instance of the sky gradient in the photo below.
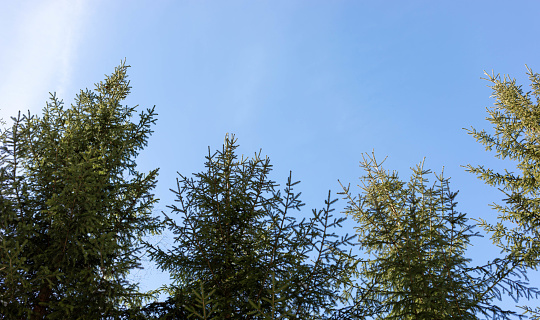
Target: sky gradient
x,y
313,83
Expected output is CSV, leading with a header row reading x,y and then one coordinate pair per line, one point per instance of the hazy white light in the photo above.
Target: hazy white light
x,y
38,52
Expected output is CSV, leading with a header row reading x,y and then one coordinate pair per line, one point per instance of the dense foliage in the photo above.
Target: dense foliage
x,y
416,243
239,241
75,214
516,121
73,207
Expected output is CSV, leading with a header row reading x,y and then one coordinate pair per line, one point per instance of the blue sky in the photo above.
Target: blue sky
x,y
313,83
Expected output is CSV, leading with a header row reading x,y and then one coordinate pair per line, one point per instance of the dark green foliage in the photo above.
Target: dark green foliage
x,y
416,242
74,211
170,310
239,246
516,121
73,207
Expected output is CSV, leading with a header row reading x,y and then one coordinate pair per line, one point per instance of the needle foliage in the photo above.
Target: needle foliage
x,y
74,212
240,252
515,118
73,207
415,242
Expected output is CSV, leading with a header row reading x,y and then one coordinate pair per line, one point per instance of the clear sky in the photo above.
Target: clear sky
x,y
313,83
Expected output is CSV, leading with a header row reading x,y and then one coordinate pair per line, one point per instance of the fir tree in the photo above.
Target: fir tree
x,y
240,252
415,241
515,118
73,207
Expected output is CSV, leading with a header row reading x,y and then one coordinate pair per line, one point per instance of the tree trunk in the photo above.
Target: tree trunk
x,y
40,309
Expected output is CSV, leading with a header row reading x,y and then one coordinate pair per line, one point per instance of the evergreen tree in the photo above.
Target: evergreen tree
x,y
73,207
415,241
241,254
516,121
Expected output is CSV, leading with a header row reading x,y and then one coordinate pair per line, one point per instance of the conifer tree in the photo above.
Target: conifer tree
x,y
73,207
240,252
515,118
415,241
